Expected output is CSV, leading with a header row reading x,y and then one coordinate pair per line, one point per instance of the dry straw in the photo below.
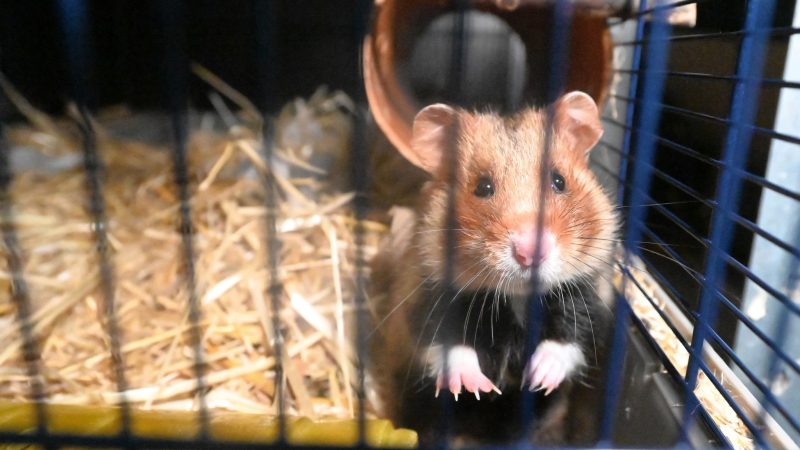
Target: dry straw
x,y
316,268
654,319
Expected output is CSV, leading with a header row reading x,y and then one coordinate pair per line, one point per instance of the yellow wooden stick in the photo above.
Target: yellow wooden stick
x,y
224,426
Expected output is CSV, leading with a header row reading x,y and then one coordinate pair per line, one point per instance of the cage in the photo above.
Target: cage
x,y
193,268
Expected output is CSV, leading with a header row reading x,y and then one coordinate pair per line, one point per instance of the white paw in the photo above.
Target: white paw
x,y
463,371
551,364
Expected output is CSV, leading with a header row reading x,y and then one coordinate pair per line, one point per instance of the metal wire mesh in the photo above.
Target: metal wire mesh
x,y
639,176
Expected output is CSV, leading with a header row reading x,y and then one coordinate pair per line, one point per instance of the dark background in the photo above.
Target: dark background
x,y
314,44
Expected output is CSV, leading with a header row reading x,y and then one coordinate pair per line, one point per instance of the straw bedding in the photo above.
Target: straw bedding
x,y
315,227
711,399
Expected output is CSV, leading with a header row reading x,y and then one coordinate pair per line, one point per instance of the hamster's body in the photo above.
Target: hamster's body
x,y
481,318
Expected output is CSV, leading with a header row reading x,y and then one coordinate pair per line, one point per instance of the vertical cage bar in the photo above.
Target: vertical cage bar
x,y
360,158
743,108
20,295
360,180
266,23
641,177
171,16
616,360
558,57
630,111
561,29
74,14
455,76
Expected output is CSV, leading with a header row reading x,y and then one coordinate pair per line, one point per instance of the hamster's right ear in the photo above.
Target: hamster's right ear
x,y
432,132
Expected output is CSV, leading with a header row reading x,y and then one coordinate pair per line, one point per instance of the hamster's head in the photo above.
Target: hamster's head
x,y
518,212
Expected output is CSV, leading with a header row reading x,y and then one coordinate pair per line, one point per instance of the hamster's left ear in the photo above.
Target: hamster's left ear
x,y
577,120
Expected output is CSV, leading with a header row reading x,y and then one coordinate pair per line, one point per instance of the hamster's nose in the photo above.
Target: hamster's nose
x,y
523,243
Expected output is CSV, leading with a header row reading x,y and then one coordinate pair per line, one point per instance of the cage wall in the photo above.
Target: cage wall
x,y
193,268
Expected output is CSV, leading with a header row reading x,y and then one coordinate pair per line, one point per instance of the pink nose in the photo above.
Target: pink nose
x,y
523,244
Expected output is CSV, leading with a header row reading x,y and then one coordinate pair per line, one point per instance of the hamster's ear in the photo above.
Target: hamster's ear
x,y
433,128
578,120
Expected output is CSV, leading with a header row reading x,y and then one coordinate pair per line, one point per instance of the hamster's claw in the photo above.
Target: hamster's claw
x,y
464,371
550,365
471,381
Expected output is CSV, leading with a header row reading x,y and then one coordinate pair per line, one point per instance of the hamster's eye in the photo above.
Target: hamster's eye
x,y
484,188
558,182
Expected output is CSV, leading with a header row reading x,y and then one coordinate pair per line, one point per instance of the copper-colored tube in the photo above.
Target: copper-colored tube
x,y
388,46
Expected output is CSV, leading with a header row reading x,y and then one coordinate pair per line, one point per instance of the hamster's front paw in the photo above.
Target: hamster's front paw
x,y
551,364
463,370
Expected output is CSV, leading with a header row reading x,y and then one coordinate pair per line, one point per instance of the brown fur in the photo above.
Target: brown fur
x,y
513,155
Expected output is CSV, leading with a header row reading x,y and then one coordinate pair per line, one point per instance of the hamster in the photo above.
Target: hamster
x,y
482,318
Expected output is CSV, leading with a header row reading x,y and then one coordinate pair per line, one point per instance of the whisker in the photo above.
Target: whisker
x,y
574,311
401,303
588,314
472,302
455,296
620,241
688,269
480,317
660,204
425,324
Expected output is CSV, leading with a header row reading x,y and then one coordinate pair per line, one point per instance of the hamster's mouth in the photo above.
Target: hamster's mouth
x,y
515,281
523,283
541,275
499,270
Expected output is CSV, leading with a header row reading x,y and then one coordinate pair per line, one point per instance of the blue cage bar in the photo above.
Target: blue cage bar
x,y
710,240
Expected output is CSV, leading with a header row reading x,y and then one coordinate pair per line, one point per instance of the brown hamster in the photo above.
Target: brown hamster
x,y
482,319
